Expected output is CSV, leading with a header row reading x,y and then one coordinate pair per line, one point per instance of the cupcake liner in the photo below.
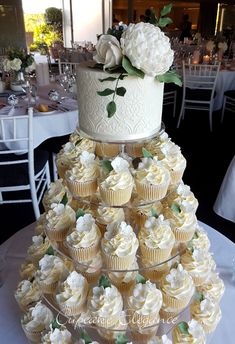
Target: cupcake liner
x,y
107,150
177,304
118,263
83,253
33,336
155,274
117,198
155,255
149,192
168,316
183,235
145,334
176,175
82,189
134,150
47,288
123,287
72,310
56,234
197,280
92,277
140,219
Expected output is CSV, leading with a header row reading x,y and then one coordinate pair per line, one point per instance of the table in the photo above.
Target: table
x,y
225,82
10,328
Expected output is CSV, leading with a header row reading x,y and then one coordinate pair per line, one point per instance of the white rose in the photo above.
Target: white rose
x,y
108,51
147,48
16,64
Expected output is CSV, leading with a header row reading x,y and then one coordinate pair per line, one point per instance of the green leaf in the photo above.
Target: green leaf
x,y
79,213
106,164
121,339
85,336
175,208
164,21
105,92
64,200
55,324
77,143
109,31
199,296
140,279
120,91
146,153
50,251
153,19
123,76
154,213
166,9
104,282
168,77
126,64
183,327
110,78
195,235
111,108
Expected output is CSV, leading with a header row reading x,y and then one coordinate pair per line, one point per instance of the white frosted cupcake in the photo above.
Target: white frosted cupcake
x,y
124,280
156,239
105,305
177,288
116,188
182,194
107,215
28,270
119,246
82,144
108,150
27,294
57,336
155,145
71,294
84,240
120,326
82,177
59,219
191,332
36,321
213,288
39,247
66,158
40,224
140,214
200,240
143,305
198,264
160,340
174,161
152,179
54,194
206,312
91,268
51,270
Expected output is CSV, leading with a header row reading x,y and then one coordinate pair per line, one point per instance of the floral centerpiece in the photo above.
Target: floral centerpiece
x,y
140,49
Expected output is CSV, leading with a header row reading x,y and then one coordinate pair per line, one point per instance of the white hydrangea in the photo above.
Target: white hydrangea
x,y
147,48
9,65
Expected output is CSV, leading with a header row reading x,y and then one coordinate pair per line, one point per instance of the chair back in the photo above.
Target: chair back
x,y
71,66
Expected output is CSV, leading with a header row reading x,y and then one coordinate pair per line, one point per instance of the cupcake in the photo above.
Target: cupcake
x,y
84,240
143,305
105,305
156,239
116,187
54,194
206,312
198,264
71,294
39,247
108,150
213,288
183,221
51,270
107,215
28,270
152,179
160,340
191,332
142,212
40,224
119,246
27,294
66,157
200,240
182,194
174,161
90,268
155,145
120,326
82,177
154,271
59,219
124,281
36,321
82,144
57,336
134,149
177,288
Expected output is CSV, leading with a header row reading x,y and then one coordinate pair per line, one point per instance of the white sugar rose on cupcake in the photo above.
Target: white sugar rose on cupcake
x,y
181,194
188,332
39,246
27,294
82,177
107,215
119,246
206,312
152,179
84,240
174,161
200,240
213,288
116,187
58,335
155,145
71,294
36,321
59,219
156,239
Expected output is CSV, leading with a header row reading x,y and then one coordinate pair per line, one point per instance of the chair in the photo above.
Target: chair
x,y
170,97
199,82
228,103
21,168
71,66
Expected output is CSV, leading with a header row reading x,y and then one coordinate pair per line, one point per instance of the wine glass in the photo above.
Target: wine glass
x,y
12,100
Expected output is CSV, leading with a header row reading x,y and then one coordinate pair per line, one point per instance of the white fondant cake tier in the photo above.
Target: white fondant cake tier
x,y
138,114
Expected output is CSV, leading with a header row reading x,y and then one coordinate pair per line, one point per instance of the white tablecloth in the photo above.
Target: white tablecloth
x,y
15,251
225,82
225,201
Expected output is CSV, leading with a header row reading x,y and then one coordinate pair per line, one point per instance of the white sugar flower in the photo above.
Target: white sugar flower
x,y
195,329
84,223
198,255
176,277
37,240
207,306
147,48
59,209
68,147
87,159
108,51
75,280
119,164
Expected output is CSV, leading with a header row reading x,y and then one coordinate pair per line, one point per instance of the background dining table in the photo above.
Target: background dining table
x,y
15,253
225,82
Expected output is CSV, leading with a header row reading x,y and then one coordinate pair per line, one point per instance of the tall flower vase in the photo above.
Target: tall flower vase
x,y
17,80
